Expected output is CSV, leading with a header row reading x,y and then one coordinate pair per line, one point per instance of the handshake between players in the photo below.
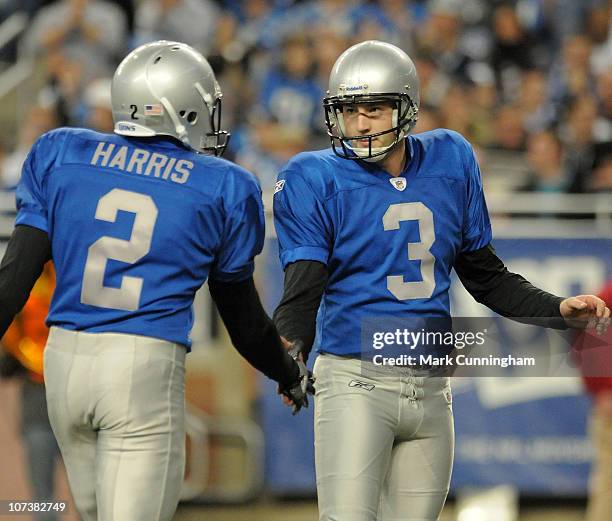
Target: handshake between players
x,y
297,395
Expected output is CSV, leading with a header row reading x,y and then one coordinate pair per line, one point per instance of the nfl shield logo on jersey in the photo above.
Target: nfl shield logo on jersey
x,y
399,183
279,185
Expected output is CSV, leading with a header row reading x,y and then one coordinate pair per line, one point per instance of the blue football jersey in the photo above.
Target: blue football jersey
x,y
389,243
136,227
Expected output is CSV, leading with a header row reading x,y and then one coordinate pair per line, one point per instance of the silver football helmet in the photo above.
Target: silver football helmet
x,y
169,89
371,71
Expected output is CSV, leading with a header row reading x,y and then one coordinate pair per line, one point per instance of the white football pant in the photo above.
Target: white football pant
x,y
383,443
116,405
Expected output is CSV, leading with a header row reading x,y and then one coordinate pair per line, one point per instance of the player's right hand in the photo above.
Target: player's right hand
x,y
296,395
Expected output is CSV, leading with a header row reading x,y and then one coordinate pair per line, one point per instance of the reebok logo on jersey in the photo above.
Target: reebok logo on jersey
x,y
361,385
399,183
279,185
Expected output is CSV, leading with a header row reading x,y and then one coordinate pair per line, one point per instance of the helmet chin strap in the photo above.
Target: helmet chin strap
x,y
376,154
379,153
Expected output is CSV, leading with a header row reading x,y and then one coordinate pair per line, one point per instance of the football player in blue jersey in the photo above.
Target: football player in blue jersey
x,y
135,223
372,228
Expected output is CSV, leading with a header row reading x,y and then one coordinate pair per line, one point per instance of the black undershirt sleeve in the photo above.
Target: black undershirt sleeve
x,y
26,254
488,280
295,316
252,332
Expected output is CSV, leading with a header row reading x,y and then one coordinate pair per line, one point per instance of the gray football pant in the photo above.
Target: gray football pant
x,y
383,444
116,405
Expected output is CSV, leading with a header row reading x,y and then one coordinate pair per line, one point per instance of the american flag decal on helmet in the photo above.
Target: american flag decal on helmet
x,y
153,110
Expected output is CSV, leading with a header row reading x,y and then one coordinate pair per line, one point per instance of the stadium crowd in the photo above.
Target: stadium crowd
x,y
528,82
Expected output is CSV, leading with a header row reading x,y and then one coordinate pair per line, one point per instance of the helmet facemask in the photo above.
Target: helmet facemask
x,y
405,115
216,139
213,139
204,136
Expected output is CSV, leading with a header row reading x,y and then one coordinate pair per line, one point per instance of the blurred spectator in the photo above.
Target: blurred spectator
x,y
599,30
245,35
5,185
265,146
92,32
455,111
341,16
571,76
481,105
535,18
63,88
251,26
240,54
434,82
603,123
97,106
509,131
402,23
594,355
512,52
536,111
129,11
578,135
387,20
328,45
226,46
507,166
37,121
602,168
289,93
190,21
237,94
428,120
440,38
565,17
545,159
29,7
25,341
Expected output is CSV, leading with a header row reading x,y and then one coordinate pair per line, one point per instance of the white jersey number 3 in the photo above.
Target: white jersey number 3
x,y
126,297
416,250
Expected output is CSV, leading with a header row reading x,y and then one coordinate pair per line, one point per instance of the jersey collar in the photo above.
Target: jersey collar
x,y
409,168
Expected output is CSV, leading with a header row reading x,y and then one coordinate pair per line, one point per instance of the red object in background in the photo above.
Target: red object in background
x,y
595,354
26,337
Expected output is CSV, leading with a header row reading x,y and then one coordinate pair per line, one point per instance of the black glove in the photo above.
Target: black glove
x,y
298,391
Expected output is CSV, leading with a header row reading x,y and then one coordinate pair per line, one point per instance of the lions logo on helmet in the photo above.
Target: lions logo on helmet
x,y
371,72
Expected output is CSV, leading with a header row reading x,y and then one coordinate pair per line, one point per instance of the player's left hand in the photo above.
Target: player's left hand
x,y
586,312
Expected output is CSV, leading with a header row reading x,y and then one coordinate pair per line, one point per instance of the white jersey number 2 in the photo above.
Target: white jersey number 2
x,y
127,296
416,250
